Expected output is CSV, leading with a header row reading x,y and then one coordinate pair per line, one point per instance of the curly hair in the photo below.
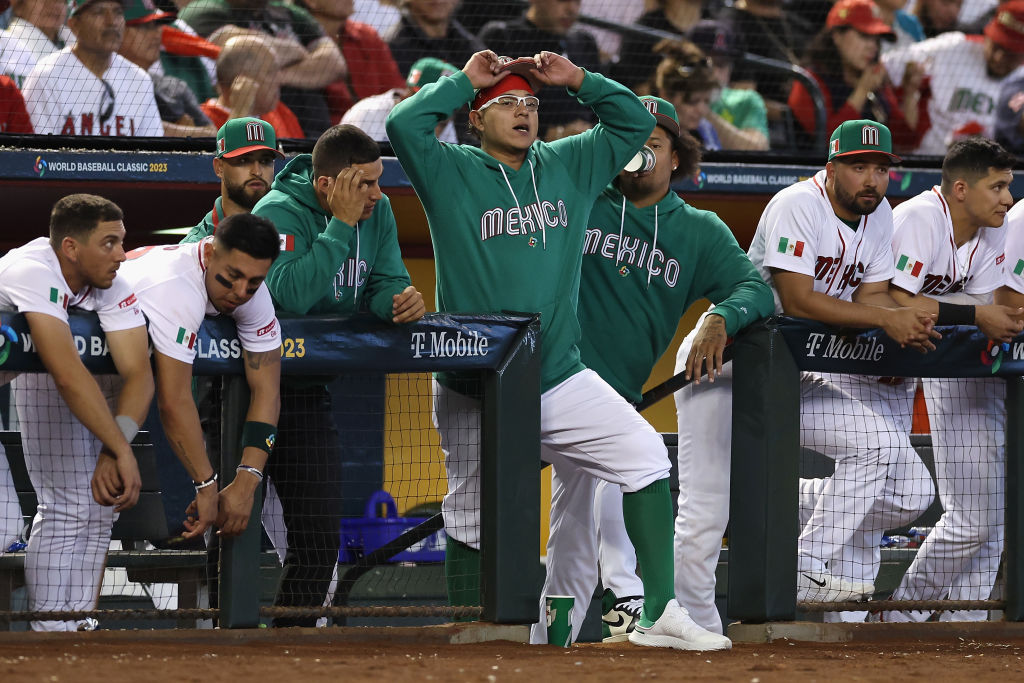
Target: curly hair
x,y
684,69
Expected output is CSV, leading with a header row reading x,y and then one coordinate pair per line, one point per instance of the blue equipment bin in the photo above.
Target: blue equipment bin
x,y
361,536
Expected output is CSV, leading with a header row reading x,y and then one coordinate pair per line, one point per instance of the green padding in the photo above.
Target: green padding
x,y
462,575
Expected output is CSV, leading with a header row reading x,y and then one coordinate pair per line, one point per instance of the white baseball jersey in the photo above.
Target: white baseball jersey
x,y
171,285
31,282
16,60
1013,272
369,114
799,232
963,95
927,258
64,98
35,40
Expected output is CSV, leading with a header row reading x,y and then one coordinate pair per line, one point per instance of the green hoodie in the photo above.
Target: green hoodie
x,y
642,268
508,240
326,266
207,226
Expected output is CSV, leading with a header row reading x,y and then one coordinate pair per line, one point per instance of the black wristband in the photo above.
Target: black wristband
x,y
955,314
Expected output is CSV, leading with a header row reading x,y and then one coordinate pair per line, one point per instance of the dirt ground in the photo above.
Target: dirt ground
x,y
297,657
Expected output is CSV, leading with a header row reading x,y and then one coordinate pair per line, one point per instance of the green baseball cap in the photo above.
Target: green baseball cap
x,y
79,5
861,136
428,70
248,134
138,12
664,112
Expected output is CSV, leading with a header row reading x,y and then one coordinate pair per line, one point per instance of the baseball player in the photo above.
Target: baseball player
x,y
824,246
647,257
508,222
965,74
339,255
948,245
177,287
65,416
89,89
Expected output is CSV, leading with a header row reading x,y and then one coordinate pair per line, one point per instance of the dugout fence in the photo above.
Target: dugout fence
x,y
386,396
768,461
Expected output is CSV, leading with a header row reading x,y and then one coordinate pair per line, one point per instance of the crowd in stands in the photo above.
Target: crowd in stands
x,y
932,70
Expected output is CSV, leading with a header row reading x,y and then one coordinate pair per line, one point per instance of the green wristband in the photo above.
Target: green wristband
x,y
259,435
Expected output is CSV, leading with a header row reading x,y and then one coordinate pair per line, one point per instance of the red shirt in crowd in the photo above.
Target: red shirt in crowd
x,y
13,115
281,118
371,68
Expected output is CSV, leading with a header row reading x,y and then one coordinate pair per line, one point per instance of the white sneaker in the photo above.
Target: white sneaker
x,y
823,587
675,629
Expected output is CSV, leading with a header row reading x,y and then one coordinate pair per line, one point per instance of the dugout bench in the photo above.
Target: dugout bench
x,y
146,521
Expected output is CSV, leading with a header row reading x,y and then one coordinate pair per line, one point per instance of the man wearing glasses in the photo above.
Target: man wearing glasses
x,y
508,222
88,89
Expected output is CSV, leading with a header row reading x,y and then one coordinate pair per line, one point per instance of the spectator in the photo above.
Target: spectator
x,y
685,79
905,26
548,25
380,14
966,73
475,14
307,58
637,58
14,117
622,13
937,16
738,115
89,89
190,57
369,114
248,81
843,58
39,25
16,60
371,68
1009,125
179,109
428,29
763,27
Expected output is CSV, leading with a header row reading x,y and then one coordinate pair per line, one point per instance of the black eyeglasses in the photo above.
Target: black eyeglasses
x,y
106,102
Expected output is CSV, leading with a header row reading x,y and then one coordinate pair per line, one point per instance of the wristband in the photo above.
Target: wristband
x,y
259,435
251,470
127,426
955,314
207,482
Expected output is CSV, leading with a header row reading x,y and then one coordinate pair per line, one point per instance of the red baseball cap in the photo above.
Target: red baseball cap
x,y
510,82
1007,26
861,15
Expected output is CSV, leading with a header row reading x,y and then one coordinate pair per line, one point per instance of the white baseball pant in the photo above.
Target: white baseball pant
x,y
67,548
588,433
960,557
11,521
616,556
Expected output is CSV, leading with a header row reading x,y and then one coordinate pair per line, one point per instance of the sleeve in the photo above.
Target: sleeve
x,y
14,117
802,106
733,284
258,329
895,61
624,124
410,127
493,36
903,136
1013,254
174,315
389,275
119,307
34,288
42,101
790,236
298,278
367,118
912,247
752,113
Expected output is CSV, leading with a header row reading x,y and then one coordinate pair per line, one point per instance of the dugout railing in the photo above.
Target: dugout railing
x,y
501,350
766,452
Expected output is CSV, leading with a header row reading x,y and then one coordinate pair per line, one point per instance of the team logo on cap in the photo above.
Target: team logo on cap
x,y
221,146
651,105
254,132
869,136
833,146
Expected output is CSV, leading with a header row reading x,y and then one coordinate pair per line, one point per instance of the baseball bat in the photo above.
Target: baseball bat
x,y
674,384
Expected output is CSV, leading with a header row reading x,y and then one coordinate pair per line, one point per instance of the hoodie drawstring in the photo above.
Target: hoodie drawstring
x,y
355,293
622,230
654,248
539,217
